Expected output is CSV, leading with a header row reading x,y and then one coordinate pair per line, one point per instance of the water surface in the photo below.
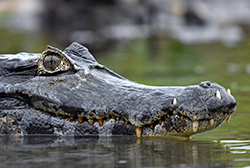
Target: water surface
x,y
121,152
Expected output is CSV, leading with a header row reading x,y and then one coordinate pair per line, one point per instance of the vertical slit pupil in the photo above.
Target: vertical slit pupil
x,y
51,62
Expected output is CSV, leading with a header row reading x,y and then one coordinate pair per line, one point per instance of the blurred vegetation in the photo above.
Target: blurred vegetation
x,y
172,63
12,42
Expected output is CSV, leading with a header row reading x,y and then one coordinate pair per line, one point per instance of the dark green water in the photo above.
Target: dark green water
x,y
122,152
158,62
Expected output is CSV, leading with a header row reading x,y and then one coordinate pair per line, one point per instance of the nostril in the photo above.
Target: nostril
x,y
206,84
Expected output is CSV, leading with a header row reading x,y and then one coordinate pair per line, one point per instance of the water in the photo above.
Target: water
x,y
122,152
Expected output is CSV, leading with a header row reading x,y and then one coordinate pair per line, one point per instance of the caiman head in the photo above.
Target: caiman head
x,y
71,85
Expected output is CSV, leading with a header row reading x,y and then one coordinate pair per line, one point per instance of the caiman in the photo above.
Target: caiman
x,y
69,93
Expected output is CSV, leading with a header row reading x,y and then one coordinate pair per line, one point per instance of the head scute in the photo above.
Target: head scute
x,y
80,51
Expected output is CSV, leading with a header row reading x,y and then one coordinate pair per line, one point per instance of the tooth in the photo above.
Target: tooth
x,y
218,95
175,112
211,122
126,122
174,101
90,121
151,126
182,117
228,91
228,118
100,121
80,119
72,118
195,125
138,131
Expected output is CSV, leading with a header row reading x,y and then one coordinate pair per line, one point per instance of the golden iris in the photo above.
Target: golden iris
x,y
51,62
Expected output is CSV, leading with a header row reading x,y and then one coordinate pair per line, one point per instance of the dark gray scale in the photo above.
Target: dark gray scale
x,y
50,62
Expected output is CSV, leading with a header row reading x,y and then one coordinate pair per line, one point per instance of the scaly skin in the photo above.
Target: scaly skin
x,y
70,93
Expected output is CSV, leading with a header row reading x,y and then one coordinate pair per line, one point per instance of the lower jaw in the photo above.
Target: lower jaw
x,y
185,127
58,126
168,127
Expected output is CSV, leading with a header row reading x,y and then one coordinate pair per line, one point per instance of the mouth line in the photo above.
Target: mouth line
x,y
172,117
159,121
17,101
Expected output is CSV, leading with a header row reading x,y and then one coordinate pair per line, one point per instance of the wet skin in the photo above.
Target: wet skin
x,y
69,93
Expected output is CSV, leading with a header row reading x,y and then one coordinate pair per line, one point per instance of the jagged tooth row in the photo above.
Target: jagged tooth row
x,y
91,121
138,130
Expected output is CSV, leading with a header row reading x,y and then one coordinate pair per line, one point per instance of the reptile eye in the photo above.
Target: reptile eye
x,y
51,62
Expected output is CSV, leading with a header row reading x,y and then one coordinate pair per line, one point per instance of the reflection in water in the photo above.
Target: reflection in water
x,y
111,152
